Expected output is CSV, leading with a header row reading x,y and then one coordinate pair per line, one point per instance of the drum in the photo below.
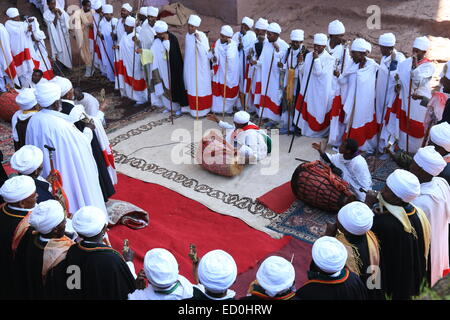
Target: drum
x,y
315,184
8,105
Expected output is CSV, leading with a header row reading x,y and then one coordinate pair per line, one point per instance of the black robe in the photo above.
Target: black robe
x,y
178,89
104,273
199,295
42,191
446,113
21,128
347,286
103,175
402,260
9,219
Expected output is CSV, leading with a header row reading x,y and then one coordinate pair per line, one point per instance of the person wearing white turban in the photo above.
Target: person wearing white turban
x,y
73,156
419,71
106,27
440,139
329,278
97,42
165,283
404,232
19,191
336,27
197,70
48,216
217,271
26,100
119,27
244,135
385,88
434,200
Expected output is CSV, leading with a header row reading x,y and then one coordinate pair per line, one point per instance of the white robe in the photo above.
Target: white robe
x,y
201,85
315,120
39,52
73,157
355,172
59,37
20,43
254,75
227,62
184,291
434,200
95,43
109,54
7,65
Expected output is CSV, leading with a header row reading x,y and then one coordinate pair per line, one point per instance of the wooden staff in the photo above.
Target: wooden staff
x,y
170,85
93,45
352,115
64,35
116,71
134,51
267,87
7,64
225,88
247,93
196,76
409,106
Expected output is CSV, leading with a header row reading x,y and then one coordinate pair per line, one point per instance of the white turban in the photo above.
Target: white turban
x,y
440,135
152,11
226,31
97,5
47,93
274,27
336,27
27,159
404,185
161,267
430,160
26,99
241,117
368,46
12,12
356,217
107,9
275,275
17,188
248,22
46,216
127,7
329,254
217,271
320,39
160,26
262,24
421,43
387,40
194,20
359,44
130,21
297,35
89,221
64,83
143,11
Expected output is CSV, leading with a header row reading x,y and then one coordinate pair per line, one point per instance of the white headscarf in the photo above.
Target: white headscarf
x,y
404,185
26,99
152,11
47,93
217,271
143,11
275,275
89,221
227,31
356,217
248,22
336,27
96,5
440,135
46,216
160,26
329,254
430,160
130,21
241,117
274,27
107,9
320,39
297,35
64,83
262,24
359,44
421,43
387,40
127,7
161,267
12,13
17,188
27,159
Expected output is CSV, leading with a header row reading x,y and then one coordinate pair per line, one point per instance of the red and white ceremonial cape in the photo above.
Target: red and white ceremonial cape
x,y
60,40
106,28
20,47
254,84
39,52
7,65
95,42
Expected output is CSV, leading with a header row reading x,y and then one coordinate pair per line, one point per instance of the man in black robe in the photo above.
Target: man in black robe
x,y
404,234
102,272
20,195
328,278
26,100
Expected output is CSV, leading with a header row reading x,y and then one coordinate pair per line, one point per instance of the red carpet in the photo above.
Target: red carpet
x,y
177,221
278,199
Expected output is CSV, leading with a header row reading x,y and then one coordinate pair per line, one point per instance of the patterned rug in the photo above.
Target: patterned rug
x,y
6,141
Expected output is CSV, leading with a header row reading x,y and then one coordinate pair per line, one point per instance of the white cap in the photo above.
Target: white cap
x,y
430,160
320,39
143,11
440,135
421,43
241,117
107,9
64,83
274,27
248,22
130,21
359,44
161,267
275,275
152,11
262,24
27,159
356,217
89,221
160,26
47,93
26,99
12,13
297,35
404,185
368,46
387,40
336,27
127,7
46,216
194,20
226,31
17,188
217,271
329,254
97,5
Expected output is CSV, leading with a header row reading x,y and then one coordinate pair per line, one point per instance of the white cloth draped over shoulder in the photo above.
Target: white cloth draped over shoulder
x,y
39,52
58,31
7,65
106,28
247,42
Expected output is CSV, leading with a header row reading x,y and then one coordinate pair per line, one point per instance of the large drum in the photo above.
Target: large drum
x,y
217,156
8,105
315,184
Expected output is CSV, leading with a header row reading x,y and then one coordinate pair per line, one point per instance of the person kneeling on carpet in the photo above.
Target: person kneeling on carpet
x,y
165,283
247,138
274,281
